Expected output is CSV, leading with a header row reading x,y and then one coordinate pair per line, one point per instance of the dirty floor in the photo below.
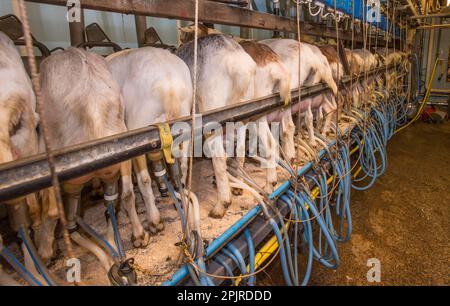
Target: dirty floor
x,y
403,221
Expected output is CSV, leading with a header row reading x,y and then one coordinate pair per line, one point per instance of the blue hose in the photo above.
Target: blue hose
x,y
222,262
204,280
238,256
25,241
175,200
117,238
307,234
284,266
23,272
287,245
251,256
327,261
89,230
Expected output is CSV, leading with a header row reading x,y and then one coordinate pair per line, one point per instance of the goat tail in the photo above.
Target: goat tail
x,y
329,80
283,77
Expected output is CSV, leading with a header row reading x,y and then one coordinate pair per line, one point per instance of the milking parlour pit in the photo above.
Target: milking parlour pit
x,y
141,152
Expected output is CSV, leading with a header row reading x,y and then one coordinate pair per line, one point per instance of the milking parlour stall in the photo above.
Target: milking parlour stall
x,y
221,143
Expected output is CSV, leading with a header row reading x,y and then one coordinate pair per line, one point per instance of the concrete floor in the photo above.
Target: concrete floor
x,y
404,220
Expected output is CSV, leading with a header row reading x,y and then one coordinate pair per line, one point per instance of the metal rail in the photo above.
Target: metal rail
x,y
434,26
22,177
209,12
439,15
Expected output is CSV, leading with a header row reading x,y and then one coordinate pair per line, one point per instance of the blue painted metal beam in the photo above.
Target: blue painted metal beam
x,y
346,6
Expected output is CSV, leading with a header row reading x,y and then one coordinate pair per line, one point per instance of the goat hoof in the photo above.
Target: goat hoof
x,y
155,229
217,212
141,242
46,256
236,192
47,253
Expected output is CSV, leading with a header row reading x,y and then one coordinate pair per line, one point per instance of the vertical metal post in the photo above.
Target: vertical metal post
x,y
76,29
276,11
245,32
288,15
343,58
141,27
16,12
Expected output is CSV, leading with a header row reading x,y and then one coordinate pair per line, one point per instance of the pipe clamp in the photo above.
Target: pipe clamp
x,y
111,198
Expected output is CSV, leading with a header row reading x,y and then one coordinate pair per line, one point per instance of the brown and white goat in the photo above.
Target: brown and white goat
x,y
225,75
271,77
314,69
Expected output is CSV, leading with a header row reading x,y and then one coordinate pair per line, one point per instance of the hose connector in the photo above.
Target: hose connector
x,y
158,166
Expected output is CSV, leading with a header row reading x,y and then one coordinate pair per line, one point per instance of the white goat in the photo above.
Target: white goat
x,y
314,69
18,137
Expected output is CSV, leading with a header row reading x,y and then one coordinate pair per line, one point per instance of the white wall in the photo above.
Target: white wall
x,y
444,48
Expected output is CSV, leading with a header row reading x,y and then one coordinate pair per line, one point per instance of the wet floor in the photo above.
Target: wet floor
x,y
403,221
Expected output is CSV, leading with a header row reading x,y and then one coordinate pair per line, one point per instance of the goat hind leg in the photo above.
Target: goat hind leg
x,y
268,143
219,160
329,110
145,186
49,221
287,136
140,237
309,119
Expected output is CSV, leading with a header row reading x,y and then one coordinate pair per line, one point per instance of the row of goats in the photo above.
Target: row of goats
x,y
88,97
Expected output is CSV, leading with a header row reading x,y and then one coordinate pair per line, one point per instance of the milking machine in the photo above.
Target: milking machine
x,y
122,272
110,251
167,171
